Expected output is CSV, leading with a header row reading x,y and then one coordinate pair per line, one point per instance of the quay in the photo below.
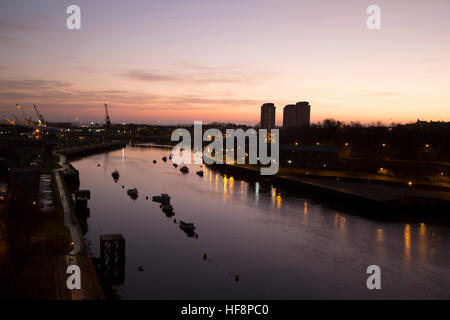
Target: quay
x,y
380,200
78,152
79,255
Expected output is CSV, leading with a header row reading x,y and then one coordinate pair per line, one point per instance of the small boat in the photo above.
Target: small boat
x,y
184,169
167,208
163,198
141,268
175,165
164,158
115,174
133,193
154,161
187,226
200,173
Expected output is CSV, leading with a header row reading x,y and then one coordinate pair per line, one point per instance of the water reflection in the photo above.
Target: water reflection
x,y
407,237
423,242
253,229
380,237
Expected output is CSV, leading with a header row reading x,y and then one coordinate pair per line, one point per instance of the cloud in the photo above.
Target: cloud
x,y
52,93
14,27
149,76
196,66
189,77
31,84
380,94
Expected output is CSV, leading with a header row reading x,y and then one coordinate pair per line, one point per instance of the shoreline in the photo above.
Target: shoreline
x,y
80,152
380,201
79,255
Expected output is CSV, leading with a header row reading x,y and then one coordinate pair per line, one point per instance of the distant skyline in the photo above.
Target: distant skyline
x,y
176,61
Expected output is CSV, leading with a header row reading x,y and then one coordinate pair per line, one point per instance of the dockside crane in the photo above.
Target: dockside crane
x,y
40,117
107,120
25,117
18,121
6,120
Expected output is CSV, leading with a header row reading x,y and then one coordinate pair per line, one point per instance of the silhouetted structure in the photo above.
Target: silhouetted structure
x,y
268,116
112,258
289,116
298,115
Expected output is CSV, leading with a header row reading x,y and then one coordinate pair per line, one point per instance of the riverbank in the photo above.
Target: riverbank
x,y
300,245
44,234
79,152
387,199
79,255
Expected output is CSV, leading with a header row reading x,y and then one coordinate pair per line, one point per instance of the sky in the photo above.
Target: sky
x,y
176,61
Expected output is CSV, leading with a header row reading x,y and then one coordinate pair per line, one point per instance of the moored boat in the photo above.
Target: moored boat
x,y
167,208
115,174
133,193
187,226
163,198
184,169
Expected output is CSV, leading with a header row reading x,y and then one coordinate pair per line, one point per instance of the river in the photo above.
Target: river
x,y
279,243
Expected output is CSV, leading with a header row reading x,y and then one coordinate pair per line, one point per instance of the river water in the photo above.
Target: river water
x,y
279,243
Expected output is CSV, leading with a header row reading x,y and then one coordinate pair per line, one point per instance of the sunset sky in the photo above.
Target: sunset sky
x,y
175,61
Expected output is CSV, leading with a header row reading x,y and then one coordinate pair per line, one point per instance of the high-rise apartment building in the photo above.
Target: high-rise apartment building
x,y
268,116
298,115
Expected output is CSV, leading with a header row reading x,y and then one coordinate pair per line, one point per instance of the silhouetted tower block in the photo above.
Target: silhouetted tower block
x,y
267,116
112,258
290,116
303,113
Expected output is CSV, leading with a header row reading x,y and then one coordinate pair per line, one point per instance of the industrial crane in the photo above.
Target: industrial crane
x,y
25,117
18,121
107,120
40,117
6,120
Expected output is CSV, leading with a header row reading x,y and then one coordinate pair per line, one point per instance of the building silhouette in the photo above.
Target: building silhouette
x,y
289,116
298,115
267,116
